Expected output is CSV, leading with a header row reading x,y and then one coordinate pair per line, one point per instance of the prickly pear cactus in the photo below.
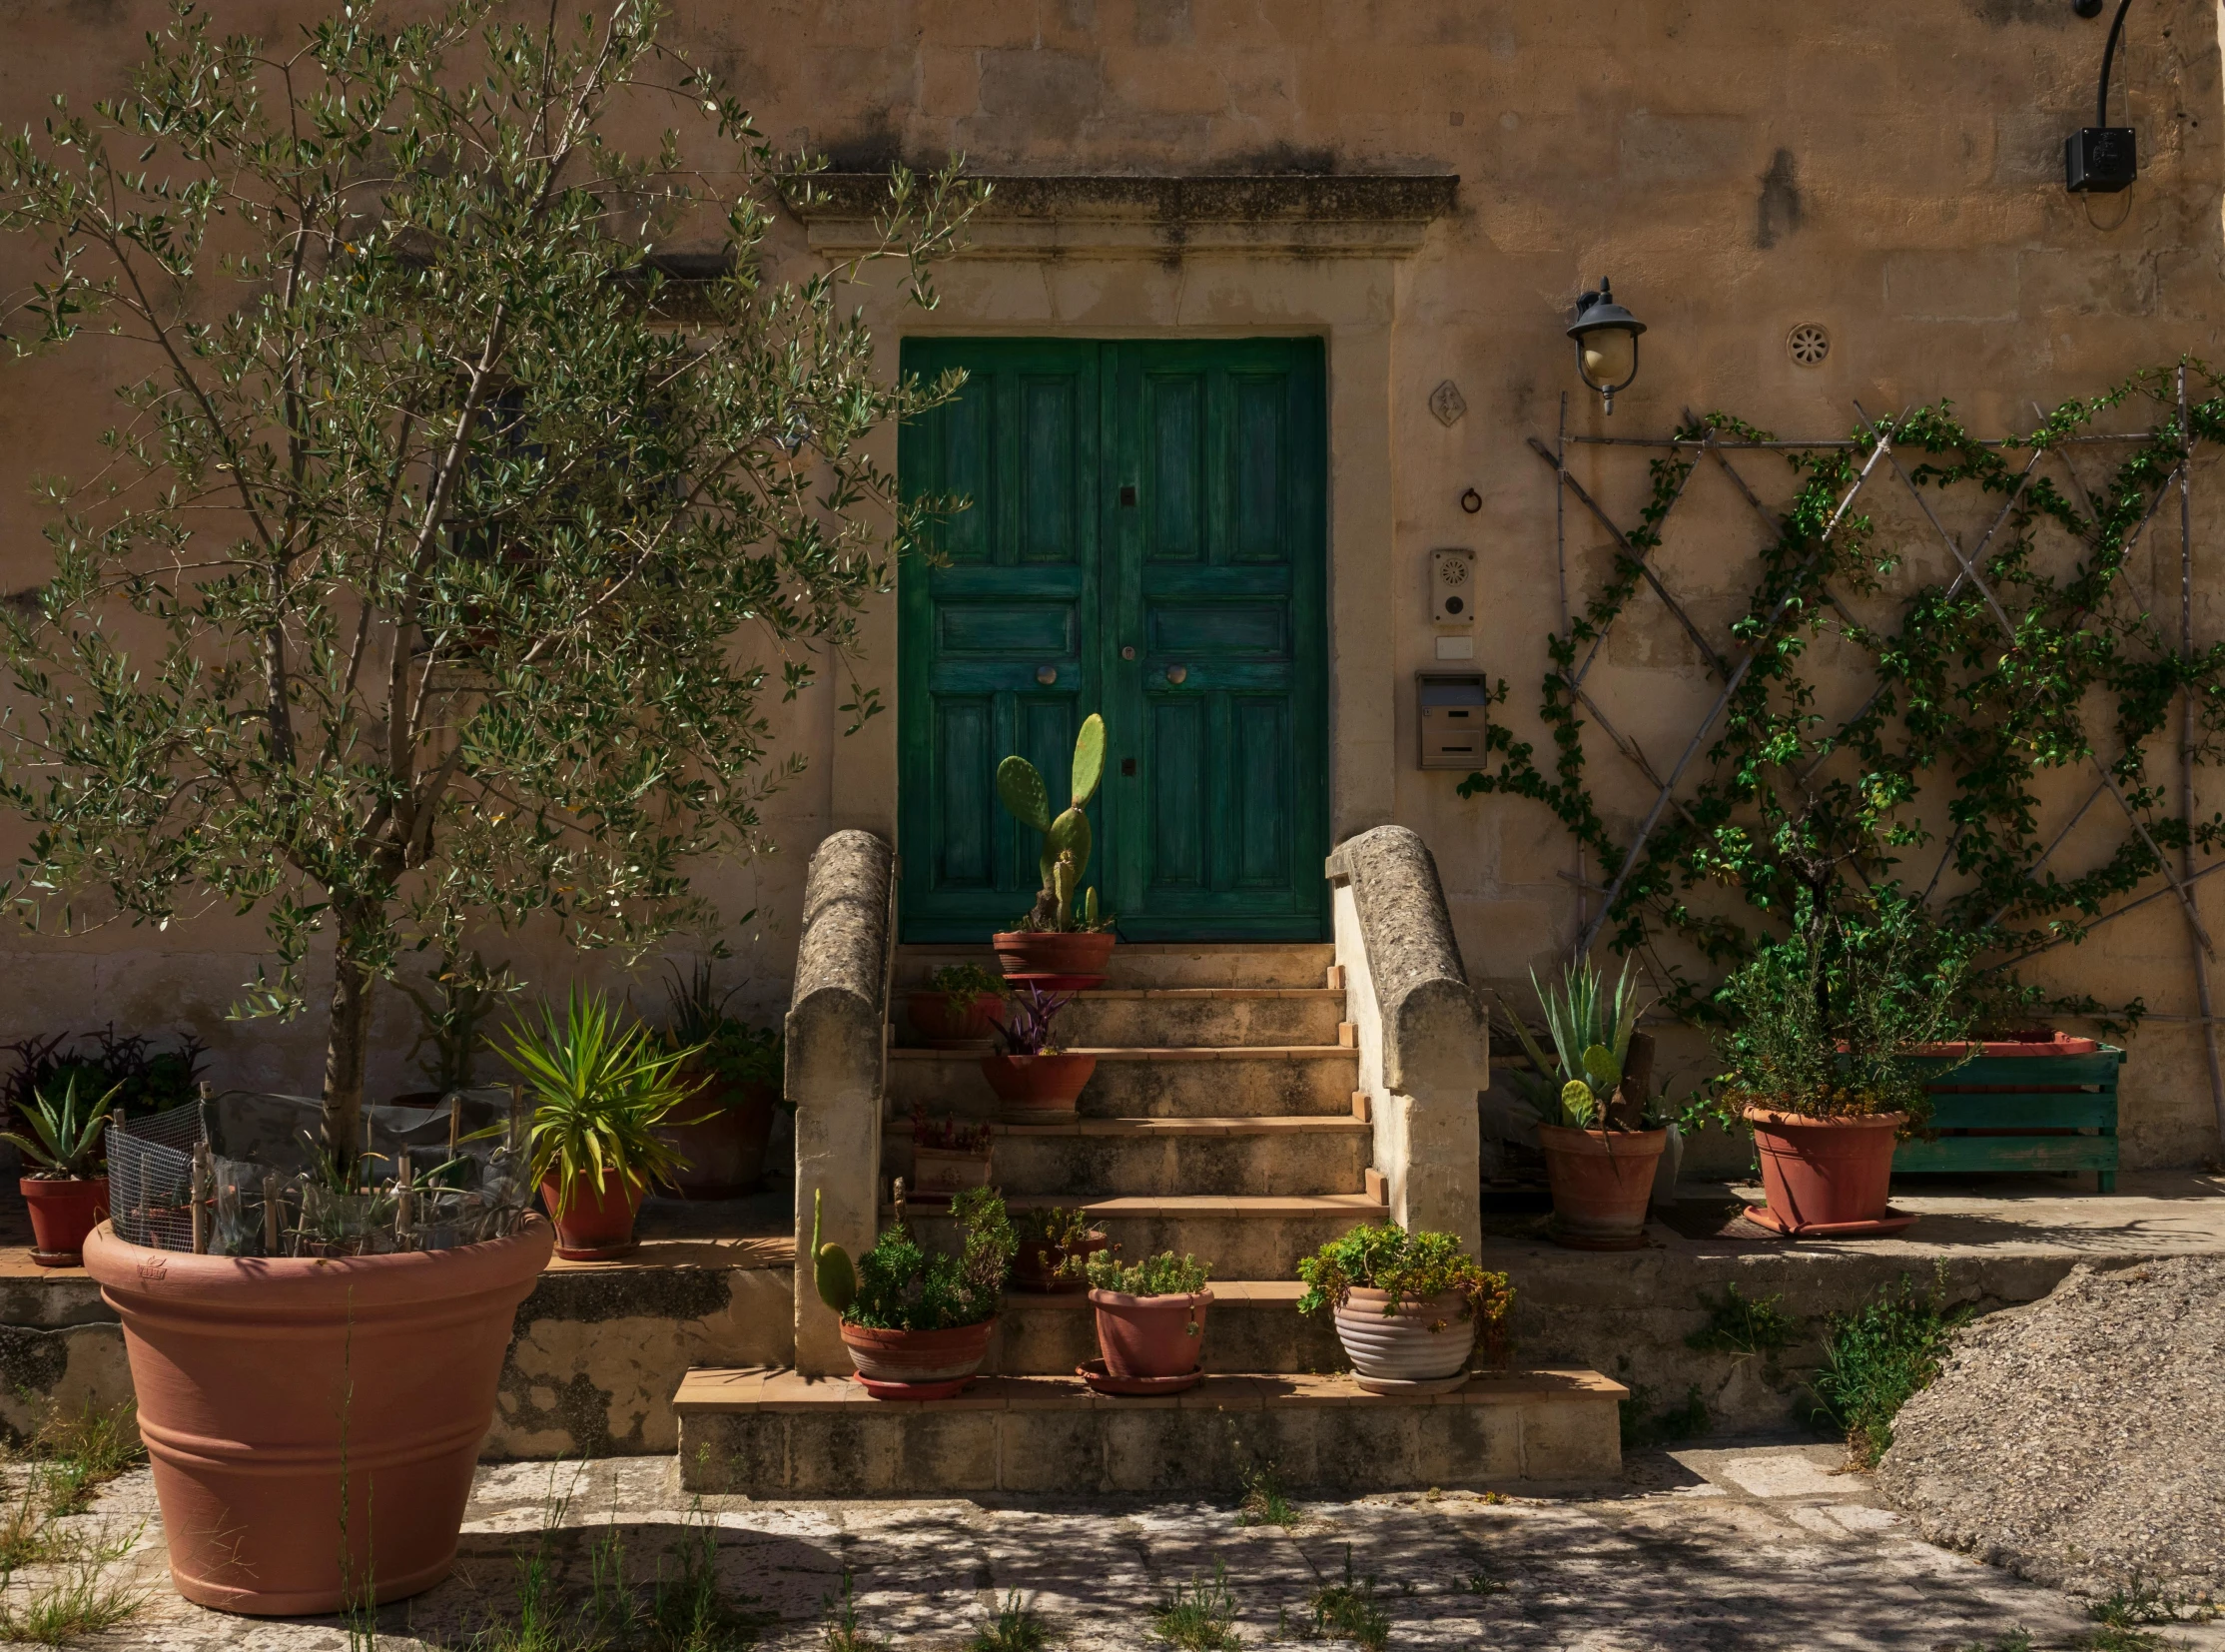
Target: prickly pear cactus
x,y
1088,760
831,1269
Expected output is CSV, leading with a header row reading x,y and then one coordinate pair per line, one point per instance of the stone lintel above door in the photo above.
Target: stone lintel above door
x,y
1099,216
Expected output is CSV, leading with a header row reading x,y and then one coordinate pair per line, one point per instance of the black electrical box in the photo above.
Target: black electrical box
x,y
2100,160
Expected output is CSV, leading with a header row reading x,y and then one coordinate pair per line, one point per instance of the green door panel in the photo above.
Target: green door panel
x,y
1164,501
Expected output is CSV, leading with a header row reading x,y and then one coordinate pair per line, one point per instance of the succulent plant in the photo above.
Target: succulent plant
x,y
1066,838
832,1272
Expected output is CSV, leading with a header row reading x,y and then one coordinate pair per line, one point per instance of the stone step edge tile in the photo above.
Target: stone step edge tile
x,y
1227,1293
1187,995
1248,1206
708,1391
1203,1052
1141,1126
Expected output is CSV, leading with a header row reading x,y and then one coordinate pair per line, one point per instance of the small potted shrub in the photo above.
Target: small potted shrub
x,y
64,1183
1599,1156
1038,1082
1834,1034
733,1072
917,1323
1408,1307
1150,1321
949,1156
1063,940
602,1090
1054,1247
959,1008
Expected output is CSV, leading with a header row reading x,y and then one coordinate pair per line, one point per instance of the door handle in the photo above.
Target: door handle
x,y
1177,675
1047,674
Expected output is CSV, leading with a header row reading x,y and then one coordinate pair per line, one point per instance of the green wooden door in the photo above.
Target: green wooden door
x,y
1147,540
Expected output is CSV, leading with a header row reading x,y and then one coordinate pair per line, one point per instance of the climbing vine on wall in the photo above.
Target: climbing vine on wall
x,y
1929,790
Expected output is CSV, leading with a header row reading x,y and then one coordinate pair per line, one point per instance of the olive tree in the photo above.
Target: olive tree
x,y
440,568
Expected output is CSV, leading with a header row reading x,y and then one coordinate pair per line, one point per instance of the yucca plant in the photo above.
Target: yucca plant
x,y
67,1144
601,1085
1591,1029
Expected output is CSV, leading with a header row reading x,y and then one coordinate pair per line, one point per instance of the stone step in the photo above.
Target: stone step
x,y
1252,1325
1099,1157
1189,1017
775,1435
1314,1080
1247,1237
1162,963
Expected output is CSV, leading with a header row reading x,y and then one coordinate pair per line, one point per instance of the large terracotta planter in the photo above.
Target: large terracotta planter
x,y
271,1386
1056,963
1602,1181
1150,1337
942,1025
1400,1352
598,1223
1827,1177
725,1152
1038,1090
63,1212
917,1364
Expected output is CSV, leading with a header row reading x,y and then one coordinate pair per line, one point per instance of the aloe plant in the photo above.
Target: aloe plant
x,y
1064,860
68,1141
1591,1028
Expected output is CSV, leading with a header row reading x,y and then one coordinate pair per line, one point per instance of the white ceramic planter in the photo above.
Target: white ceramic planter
x,y
1398,1353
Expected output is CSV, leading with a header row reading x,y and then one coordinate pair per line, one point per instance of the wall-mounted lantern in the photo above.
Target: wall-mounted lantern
x,y
1606,337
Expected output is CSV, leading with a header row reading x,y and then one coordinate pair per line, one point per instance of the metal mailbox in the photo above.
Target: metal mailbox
x,y
1453,707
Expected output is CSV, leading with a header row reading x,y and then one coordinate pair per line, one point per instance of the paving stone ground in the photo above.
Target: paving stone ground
x,y
1757,1548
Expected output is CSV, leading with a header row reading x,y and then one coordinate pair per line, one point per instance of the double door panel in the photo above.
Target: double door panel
x,y
1141,536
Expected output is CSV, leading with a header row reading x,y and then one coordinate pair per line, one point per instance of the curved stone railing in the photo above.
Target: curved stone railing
x,y
1424,1050
837,1065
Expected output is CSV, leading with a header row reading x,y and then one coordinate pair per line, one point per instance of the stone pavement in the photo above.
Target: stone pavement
x,y
1759,1548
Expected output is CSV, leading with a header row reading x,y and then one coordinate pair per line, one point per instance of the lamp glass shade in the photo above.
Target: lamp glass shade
x,y
1610,355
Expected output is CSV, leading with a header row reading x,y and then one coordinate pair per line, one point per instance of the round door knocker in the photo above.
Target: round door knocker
x,y
1047,674
1471,501
1177,675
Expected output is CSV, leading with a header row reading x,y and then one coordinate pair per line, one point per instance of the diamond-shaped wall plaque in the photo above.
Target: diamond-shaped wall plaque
x,y
1448,403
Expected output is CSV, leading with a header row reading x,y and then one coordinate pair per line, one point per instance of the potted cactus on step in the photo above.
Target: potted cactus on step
x,y
1063,942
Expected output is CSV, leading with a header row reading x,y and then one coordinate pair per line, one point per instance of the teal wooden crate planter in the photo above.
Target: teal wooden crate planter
x,y
2035,1112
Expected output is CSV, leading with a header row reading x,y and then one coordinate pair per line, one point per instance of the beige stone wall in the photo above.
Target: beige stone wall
x,y
1889,170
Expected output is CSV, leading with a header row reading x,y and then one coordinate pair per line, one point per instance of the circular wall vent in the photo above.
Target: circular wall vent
x,y
1808,344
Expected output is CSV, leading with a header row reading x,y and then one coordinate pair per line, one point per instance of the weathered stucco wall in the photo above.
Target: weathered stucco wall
x,y
1889,170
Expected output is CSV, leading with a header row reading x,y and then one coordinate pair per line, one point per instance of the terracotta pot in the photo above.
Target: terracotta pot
x,y
919,1356
1038,1089
1398,1353
1034,952
941,1025
1825,1172
268,1384
63,1210
1150,1335
936,1173
1602,1181
725,1152
1035,1265
598,1222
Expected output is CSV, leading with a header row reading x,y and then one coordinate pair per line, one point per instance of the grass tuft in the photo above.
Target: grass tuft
x,y
1737,1323
1200,1616
1265,1503
1349,1611
1015,1628
82,1601
1878,1357
841,1633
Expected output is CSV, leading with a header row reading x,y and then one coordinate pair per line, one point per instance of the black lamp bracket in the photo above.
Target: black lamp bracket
x,y
2101,159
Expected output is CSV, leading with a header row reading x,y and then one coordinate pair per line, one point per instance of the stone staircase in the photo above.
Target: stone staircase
x,y
1224,1120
